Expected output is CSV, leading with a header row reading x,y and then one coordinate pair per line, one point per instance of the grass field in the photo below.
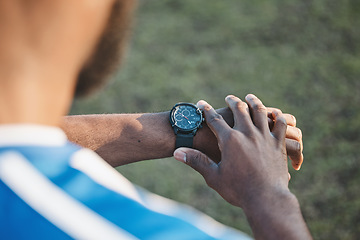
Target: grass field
x,y
300,56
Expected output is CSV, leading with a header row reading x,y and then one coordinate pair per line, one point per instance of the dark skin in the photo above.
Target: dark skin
x,y
253,172
125,138
39,80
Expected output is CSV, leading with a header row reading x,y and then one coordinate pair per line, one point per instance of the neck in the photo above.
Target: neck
x,y
37,97
42,49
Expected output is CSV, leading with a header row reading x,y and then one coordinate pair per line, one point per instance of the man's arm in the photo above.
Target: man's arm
x,y
125,138
253,172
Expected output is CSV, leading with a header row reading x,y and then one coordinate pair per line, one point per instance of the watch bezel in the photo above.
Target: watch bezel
x,y
188,130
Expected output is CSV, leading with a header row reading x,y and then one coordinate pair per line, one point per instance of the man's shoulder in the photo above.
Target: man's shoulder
x,y
49,189
38,152
84,197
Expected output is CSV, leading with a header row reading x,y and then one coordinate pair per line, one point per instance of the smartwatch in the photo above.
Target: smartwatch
x,y
185,119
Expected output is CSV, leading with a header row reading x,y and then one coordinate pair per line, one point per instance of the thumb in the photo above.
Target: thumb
x,y
197,160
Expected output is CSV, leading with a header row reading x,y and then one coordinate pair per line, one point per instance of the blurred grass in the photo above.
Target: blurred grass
x,y
300,56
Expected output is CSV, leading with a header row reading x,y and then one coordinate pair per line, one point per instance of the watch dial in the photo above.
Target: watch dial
x,y
187,117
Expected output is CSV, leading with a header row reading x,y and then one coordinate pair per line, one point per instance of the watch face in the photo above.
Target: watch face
x,y
186,116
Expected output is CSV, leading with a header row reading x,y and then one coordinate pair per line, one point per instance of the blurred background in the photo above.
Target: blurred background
x,y
300,56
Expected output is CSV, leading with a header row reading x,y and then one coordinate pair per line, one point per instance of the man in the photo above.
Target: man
x,y
53,189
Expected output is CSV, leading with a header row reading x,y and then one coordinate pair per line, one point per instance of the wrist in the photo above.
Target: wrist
x,y
268,199
274,214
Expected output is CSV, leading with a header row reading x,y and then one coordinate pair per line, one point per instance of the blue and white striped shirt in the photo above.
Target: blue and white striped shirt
x,y
53,189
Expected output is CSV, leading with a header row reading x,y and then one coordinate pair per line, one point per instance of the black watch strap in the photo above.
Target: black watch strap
x,y
184,140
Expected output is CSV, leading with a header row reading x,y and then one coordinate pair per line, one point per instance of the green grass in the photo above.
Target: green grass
x,y
300,56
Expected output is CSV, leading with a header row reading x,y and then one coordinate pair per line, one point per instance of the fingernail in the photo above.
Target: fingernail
x,y
180,155
229,96
297,166
250,96
201,104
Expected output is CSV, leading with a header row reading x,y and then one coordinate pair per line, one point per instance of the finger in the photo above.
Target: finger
x,y
294,133
280,126
269,112
294,151
296,164
290,119
270,122
214,120
199,162
240,109
258,112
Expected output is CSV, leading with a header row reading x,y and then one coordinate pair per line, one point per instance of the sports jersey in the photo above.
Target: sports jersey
x,y
51,188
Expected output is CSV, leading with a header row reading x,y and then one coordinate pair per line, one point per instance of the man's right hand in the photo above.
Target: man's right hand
x,y
253,172
252,158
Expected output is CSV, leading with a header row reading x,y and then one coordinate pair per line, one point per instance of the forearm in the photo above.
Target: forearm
x,y
276,217
122,138
127,138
